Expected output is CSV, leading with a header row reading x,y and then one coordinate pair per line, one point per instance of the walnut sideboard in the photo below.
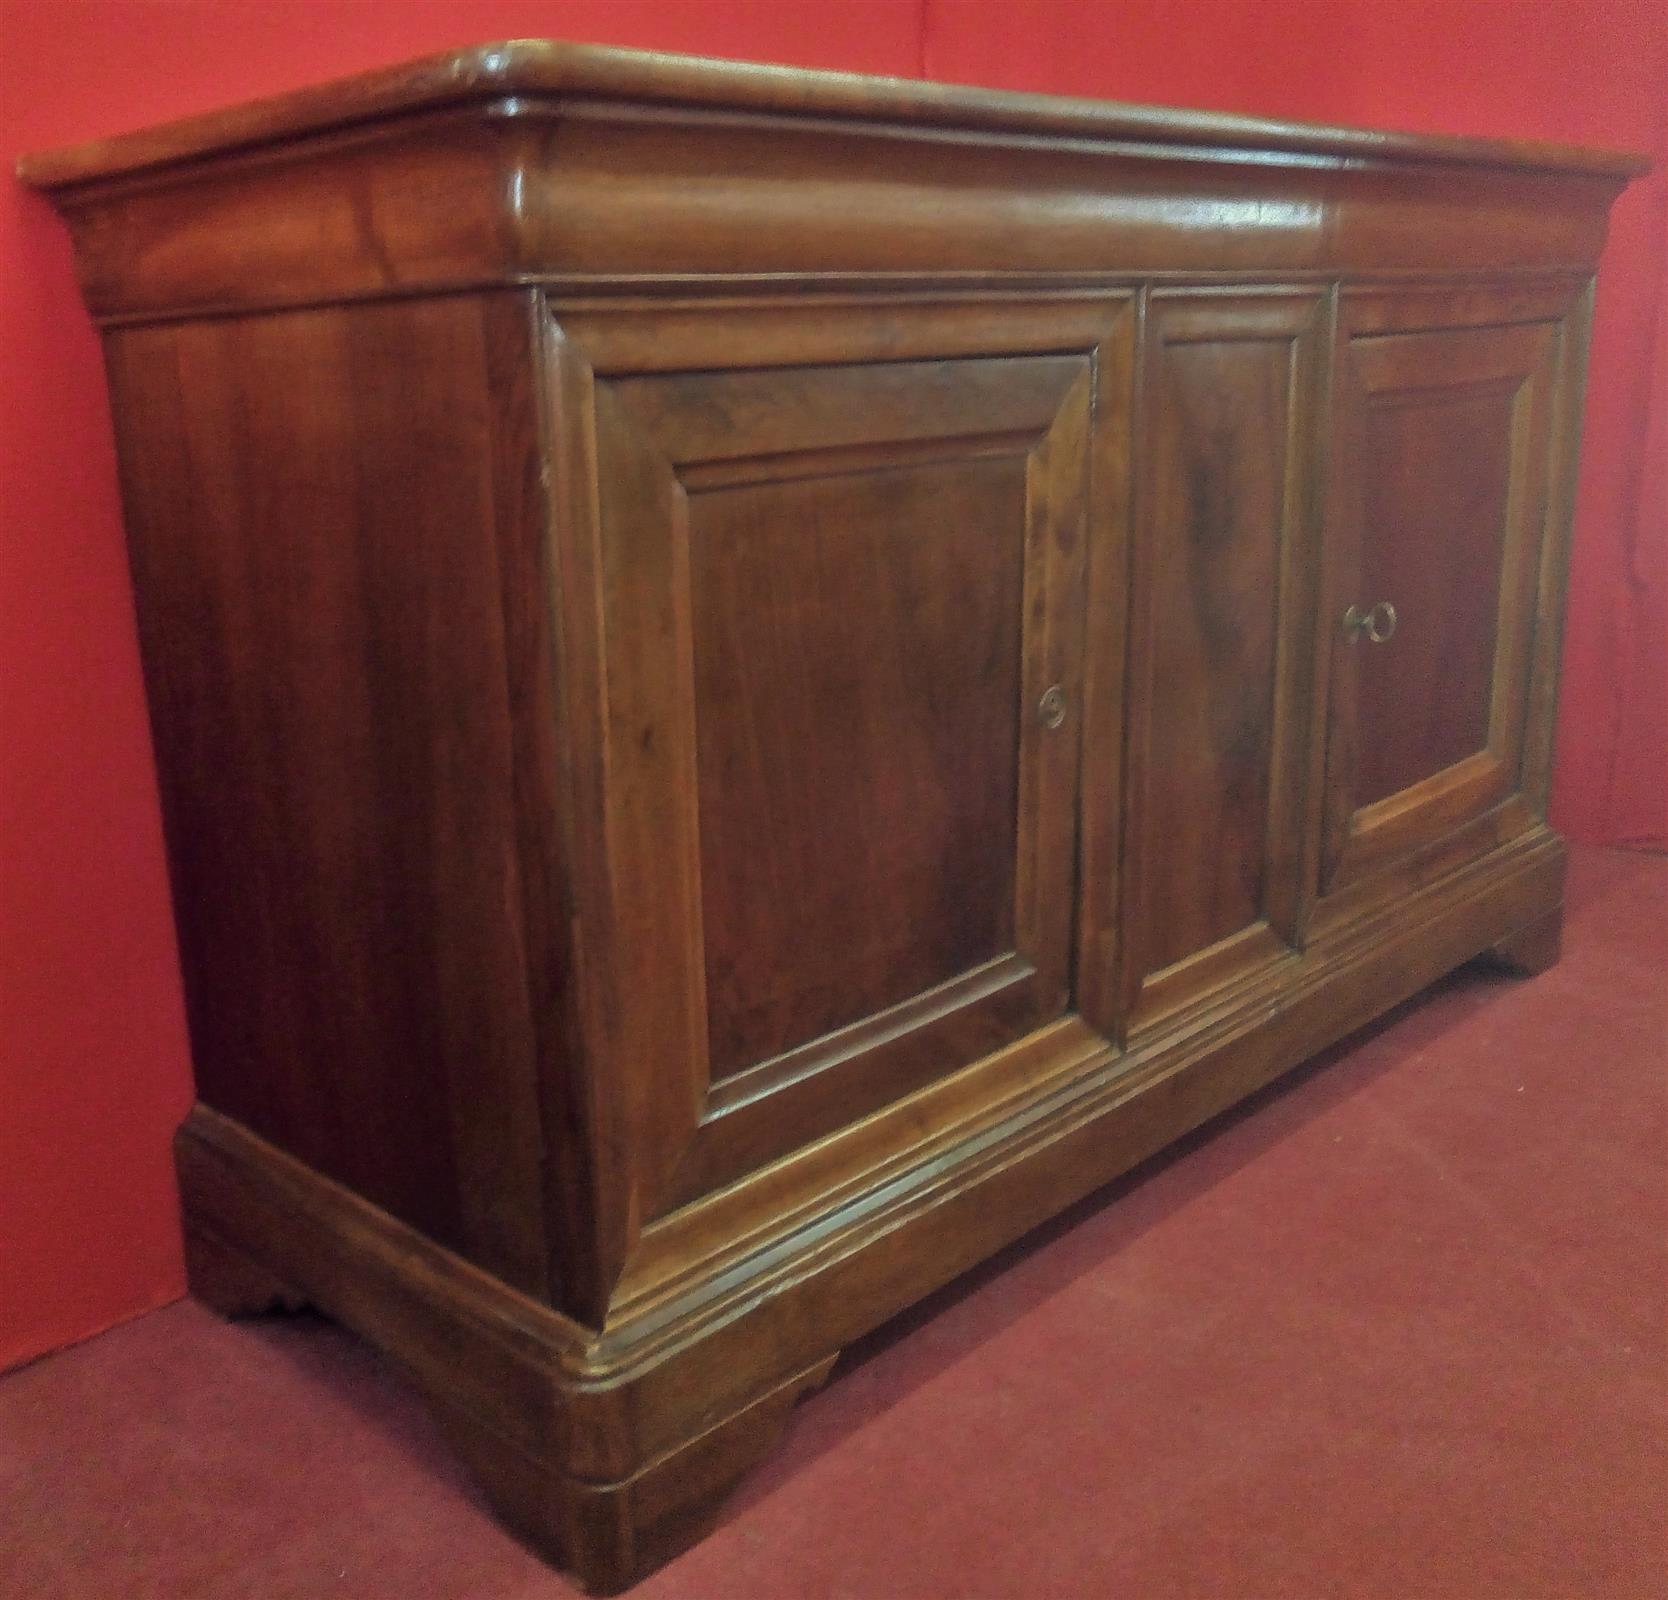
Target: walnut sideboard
x,y
761,678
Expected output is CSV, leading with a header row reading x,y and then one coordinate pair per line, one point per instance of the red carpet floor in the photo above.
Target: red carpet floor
x,y
1396,1330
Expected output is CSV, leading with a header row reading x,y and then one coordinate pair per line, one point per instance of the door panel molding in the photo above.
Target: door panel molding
x,y
677,447
1221,599
1395,357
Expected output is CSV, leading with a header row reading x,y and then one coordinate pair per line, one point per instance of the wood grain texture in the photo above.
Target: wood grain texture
x,y
1441,466
230,1282
585,73
313,519
1219,633
1531,950
833,597
857,663
1440,508
535,160
564,1426
750,689
409,208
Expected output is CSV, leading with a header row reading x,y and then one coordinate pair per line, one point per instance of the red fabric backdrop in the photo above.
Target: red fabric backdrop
x,y
94,1069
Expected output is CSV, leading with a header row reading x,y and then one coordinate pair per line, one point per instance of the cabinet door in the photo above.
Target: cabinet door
x,y
1434,534
826,618
1220,642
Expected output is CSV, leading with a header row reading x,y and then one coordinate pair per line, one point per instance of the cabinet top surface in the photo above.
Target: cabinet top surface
x,y
546,70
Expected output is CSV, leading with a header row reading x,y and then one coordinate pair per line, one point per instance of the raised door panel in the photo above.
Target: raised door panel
x,y
822,634
857,708
1438,512
1219,642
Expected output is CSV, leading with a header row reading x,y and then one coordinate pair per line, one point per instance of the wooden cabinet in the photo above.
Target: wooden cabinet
x,y
760,679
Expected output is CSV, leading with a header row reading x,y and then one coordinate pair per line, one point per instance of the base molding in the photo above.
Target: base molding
x,y
1532,949
502,1374
610,1450
609,1535
228,1281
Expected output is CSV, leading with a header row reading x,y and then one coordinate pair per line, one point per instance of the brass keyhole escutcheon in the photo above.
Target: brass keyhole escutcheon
x,y
1378,622
1051,709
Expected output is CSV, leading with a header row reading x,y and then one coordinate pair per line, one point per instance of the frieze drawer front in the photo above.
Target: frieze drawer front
x,y
762,678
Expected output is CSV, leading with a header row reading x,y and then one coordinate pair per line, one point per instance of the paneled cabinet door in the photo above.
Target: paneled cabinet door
x,y
1221,608
827,816
1437,517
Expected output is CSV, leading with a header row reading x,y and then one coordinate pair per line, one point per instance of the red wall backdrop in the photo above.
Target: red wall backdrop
x,y
94,1070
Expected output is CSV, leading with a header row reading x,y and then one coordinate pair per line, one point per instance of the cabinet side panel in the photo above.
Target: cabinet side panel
x,y
314,526
1553,580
